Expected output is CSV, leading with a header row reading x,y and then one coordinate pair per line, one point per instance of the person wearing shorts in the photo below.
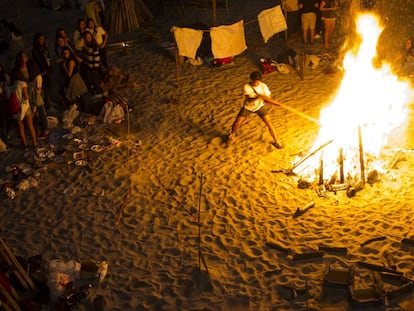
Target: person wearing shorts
x,y
308,16
328,15
256,95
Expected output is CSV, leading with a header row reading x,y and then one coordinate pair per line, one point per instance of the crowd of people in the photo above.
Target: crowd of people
x,y
40,75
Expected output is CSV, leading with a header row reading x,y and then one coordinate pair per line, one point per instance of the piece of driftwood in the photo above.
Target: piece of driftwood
x,y
408,241
307,255
333,249
381,238
394,160
338,276
300,212
376,267
367,296
278,247
391,277
400,291
352,190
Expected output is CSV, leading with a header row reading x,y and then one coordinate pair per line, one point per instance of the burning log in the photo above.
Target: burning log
x,y
300,212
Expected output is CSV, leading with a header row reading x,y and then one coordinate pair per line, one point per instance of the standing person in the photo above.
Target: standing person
x,y
92,10
74,86
291,7
27,70
4,97
256,94
43,59
101,37
328,15
92,70
21,89
78,35
309,10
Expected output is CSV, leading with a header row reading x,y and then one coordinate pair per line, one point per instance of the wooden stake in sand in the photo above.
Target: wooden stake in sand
x,y
200,255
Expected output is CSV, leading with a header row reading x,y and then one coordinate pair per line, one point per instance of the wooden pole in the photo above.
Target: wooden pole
x,y
341,166
214,8
199,223
277,103
361,156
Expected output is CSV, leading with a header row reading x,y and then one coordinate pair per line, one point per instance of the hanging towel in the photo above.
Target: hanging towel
x,y
188,40
228,40
271,21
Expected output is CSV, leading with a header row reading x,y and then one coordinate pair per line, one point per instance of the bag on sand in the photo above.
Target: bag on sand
x,y
112,112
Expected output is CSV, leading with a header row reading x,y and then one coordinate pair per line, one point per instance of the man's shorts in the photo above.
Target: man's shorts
x,y
308,21
261,112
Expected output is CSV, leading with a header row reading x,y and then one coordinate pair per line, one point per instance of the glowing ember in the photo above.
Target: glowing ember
x,y
369,98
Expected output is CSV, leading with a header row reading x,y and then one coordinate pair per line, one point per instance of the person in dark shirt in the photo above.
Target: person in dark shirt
x,y
308,9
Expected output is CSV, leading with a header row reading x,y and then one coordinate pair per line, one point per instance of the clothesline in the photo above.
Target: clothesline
x,y
229,40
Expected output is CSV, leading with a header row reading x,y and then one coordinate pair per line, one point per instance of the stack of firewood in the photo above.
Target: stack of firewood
x,y
128,15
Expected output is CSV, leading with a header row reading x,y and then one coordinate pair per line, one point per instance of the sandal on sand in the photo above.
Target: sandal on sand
x,y
277,145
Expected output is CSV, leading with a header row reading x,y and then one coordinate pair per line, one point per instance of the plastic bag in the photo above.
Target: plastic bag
x,y
69,116
112,113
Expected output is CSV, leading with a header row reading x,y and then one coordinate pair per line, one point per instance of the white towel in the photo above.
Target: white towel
x,y
188,40
228,40
271,21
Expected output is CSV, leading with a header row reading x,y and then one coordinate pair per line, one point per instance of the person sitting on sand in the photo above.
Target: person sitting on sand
x,y
256,95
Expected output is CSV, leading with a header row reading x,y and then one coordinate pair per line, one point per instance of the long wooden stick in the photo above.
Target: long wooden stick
x,y
11,260
277,103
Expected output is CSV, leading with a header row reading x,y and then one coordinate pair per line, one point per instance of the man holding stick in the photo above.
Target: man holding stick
x,y
256,95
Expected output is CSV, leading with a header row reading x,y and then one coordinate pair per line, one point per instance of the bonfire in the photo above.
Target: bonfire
x,y
355,126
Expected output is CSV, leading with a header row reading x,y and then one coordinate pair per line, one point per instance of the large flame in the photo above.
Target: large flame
x,y
371,102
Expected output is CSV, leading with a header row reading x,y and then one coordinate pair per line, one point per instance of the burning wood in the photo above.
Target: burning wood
x,y
355,140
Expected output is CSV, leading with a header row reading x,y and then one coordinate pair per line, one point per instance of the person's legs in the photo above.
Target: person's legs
x,y
29,123
329,27
239,120
312,23
41,114
304,28
272,132
22,134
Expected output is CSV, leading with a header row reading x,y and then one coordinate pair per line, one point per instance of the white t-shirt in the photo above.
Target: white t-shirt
x,y
97,33
258,103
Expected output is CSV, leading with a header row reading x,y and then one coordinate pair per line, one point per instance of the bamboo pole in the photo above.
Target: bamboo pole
x,y
214,9
361,156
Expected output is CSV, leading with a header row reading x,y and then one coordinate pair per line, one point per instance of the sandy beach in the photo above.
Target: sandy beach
x,y
187,223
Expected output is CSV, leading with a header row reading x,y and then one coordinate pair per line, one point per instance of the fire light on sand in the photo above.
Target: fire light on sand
x,y
370,102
